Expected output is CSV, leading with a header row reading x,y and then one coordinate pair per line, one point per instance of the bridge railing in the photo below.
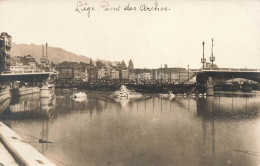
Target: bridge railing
x,y
21,72
195,70
28,72
229,69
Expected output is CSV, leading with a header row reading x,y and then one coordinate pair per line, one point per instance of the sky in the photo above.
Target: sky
x,y
150,38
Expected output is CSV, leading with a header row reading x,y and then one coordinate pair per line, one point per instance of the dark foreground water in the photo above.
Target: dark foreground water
x,y
219,130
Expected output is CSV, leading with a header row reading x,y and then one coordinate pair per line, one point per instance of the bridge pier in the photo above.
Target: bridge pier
x,y
209,90
209,87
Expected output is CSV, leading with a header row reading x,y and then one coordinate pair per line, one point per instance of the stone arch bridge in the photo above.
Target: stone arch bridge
x,y
221,75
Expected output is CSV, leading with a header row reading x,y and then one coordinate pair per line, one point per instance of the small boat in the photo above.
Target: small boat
x,y
78,95
169,95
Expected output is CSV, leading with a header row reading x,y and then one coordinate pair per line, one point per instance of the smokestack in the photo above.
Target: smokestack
x,y
46,51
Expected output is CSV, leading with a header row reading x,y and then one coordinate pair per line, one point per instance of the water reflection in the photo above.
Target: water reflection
x,y
151,131
30,106
123,102
228,107
44,132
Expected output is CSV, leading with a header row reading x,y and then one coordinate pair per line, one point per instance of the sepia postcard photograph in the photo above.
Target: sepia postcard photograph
x,y
129,83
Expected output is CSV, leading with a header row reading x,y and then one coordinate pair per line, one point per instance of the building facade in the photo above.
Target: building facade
x,y
125,74
114,74
66,73
5,47
23,64
22,69
102,73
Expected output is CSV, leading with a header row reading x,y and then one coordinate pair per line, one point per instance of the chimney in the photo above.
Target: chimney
x,y
42,52
46,51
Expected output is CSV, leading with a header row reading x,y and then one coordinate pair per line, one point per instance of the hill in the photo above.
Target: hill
x,y
56,55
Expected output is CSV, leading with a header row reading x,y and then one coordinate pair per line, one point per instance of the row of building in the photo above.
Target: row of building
x,y
87,72
160,75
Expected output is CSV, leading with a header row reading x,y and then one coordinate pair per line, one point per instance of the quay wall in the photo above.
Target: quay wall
x,y
22,152
4,95
8,93
16,92
4,98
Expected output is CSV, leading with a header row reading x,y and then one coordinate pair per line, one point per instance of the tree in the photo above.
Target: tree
x,y
130,65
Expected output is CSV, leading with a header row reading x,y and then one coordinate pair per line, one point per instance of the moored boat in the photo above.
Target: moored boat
x,y
168,95
78,95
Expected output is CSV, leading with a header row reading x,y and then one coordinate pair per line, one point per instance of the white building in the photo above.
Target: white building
x,y
101,73
22,68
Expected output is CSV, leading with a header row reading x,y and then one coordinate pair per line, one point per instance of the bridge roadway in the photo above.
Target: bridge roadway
x,y
221,75
39,76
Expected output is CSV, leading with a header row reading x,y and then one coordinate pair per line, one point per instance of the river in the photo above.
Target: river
x,y
192,131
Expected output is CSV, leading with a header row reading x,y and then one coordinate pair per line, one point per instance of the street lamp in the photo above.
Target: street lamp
x,y
212,58
203,60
